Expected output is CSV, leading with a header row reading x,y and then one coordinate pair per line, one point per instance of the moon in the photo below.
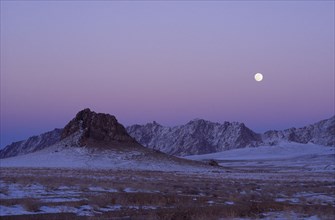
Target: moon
x,y
258,77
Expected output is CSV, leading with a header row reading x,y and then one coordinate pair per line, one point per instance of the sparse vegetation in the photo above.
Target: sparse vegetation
x,y
164,195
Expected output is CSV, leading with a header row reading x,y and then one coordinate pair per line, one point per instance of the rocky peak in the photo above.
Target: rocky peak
x,y
322,132
200,124
198,136
155,123
198,121
90,125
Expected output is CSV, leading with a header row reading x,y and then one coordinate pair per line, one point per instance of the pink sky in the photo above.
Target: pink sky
x,y
165,61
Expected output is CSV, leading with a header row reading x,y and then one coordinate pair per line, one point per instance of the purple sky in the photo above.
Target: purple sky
x,y
165,61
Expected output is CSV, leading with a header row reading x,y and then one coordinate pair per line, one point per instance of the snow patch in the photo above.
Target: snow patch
x,y
282,151
13,210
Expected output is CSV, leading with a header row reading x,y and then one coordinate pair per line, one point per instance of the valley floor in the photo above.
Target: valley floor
x,y
232,192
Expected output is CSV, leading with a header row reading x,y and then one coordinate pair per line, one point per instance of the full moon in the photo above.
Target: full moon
x,y
258,77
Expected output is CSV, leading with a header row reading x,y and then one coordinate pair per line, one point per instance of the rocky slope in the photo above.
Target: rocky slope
x,y
97,140
196,137
201,137
96,127
87,128
32,144
322,132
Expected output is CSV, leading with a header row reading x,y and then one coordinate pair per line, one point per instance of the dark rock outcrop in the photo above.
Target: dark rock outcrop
x,y
96,127
87,127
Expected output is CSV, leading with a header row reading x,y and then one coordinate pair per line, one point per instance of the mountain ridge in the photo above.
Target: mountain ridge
x,y
198,136
226,136
31,144
195,137
95,140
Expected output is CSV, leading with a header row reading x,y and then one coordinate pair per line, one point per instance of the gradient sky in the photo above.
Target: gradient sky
x,y
165,61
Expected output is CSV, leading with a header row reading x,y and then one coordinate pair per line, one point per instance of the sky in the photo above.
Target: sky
x,y
166,61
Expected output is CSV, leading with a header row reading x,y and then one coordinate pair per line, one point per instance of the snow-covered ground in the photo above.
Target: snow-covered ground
x,y
84,210
62,194
87,158
284,150
108,192
83,182
309,157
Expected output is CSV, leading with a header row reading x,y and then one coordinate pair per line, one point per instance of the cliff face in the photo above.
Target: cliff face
x,y
96,127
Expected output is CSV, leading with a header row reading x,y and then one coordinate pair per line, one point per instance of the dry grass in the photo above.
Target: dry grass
x,y
174,195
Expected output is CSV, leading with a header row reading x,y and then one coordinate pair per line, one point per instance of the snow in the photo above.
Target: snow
x,y
61,199
311,157
280,215
61,156
131,190
56,209
310,197
286,157
282,151
288,215
16,191
13,210
110,208
185,139
100,189
142,207
84,210
291,200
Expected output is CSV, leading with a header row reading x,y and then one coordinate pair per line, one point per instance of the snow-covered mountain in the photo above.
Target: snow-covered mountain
x,y
96,140
203,137
196,137
32,144
322,133
86,127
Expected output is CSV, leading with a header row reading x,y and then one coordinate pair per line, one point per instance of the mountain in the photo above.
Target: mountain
x,y
196,137
89,127
95,140
32,144
322,133
202,137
